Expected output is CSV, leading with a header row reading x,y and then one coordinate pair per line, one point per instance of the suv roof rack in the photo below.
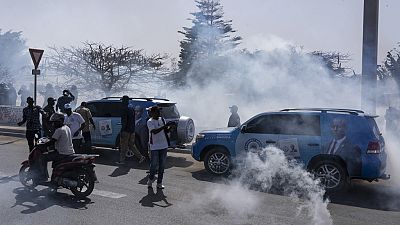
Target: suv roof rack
x,y
147,99
324,110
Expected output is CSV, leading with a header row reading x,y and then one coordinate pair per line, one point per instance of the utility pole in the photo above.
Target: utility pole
x,y
369,56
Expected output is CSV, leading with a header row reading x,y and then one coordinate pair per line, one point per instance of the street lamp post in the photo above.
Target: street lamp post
x,y
369,56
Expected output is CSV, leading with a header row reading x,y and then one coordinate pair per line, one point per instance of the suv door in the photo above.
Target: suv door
x,y
258,133
300,135
107,117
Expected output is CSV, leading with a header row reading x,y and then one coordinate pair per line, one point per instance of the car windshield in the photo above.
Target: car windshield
x,y
169,111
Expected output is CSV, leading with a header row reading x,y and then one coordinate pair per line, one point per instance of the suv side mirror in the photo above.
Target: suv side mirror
x,y
243,129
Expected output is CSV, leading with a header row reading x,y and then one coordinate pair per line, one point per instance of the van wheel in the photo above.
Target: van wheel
x,y
217,161
333,175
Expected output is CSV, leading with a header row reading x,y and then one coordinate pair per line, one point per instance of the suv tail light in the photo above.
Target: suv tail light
x,y
373,147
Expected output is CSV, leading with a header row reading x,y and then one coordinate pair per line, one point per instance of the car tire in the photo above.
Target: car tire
x,y
217,161
332,174
185,130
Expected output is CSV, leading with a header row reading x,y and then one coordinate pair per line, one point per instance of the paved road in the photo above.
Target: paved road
x,y
191,197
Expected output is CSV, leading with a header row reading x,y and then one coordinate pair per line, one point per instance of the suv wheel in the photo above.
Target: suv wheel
x,y
333,175
217,161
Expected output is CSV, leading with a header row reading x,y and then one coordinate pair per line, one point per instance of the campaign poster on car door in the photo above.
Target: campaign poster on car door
x,y
105,127
342,136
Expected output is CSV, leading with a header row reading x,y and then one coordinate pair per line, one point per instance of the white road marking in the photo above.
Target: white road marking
x,y
108,194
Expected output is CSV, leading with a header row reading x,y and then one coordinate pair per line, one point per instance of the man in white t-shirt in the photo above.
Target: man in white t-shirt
x,y
76,123
158,143
62,141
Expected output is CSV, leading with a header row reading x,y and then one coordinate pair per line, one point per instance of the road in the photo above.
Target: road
x,y
191,196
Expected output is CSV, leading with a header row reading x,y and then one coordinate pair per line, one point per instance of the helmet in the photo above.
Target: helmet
x,y
57,117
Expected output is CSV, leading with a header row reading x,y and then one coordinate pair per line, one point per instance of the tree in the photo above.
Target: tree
x,y
334,62
105,67
391,66
13,55
208,37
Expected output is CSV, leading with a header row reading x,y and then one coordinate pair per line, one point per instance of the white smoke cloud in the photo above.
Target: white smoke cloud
x,y
272,172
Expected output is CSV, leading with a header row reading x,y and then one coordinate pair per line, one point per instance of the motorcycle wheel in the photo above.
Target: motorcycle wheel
x,y
26,177
85,185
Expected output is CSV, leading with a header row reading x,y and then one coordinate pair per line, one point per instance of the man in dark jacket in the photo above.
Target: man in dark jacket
x,y
127,136
66,98
49,110
341,145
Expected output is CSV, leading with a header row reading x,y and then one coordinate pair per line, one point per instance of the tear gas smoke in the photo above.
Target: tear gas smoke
x,y
269,170
261,81
266,171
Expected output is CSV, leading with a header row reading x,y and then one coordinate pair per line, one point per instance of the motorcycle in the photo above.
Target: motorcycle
x,y
74,172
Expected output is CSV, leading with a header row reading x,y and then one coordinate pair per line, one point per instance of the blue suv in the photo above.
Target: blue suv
x,y
336,144
106,114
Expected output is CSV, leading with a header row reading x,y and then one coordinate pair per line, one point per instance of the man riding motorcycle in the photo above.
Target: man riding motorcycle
x,y
62,141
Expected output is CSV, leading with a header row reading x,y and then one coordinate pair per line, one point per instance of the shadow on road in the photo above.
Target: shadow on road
x,y
378,196
37,200
7,179
155,199
369,195
110,157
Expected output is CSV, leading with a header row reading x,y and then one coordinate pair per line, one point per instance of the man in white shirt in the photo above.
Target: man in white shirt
x,y
158,143
76,123
62,140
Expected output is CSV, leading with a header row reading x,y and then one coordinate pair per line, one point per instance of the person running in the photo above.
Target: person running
x,y
158,143
127,136
30,115
87,116
66,98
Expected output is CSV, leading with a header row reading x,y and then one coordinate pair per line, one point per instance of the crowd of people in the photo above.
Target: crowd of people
x,y
75,129
9,94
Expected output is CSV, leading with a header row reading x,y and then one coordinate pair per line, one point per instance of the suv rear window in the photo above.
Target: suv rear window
x,y
105,109
169,111
286,124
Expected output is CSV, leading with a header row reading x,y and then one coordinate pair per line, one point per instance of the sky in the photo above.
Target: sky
x,y
152,25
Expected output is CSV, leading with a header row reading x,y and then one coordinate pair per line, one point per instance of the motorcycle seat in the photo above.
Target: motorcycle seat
x,y
71,158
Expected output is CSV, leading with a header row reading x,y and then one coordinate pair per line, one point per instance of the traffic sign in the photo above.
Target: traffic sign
x,y
35,72
36,55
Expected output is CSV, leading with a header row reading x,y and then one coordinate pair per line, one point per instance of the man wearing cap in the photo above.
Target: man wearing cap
x,y
127,136
76,123
87,116
49,110
66,98
234,119
31,116
158,143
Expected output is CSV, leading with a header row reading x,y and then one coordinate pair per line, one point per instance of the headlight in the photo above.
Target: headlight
x,y
199,136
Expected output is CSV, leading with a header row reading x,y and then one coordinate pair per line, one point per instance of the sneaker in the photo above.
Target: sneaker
x,y
120,163
160,186
141,160
150,182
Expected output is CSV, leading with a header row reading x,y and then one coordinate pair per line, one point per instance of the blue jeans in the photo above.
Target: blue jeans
x,y
158,158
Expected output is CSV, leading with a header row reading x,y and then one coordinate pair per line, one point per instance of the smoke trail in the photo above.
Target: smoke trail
x,y
267,171
270,171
